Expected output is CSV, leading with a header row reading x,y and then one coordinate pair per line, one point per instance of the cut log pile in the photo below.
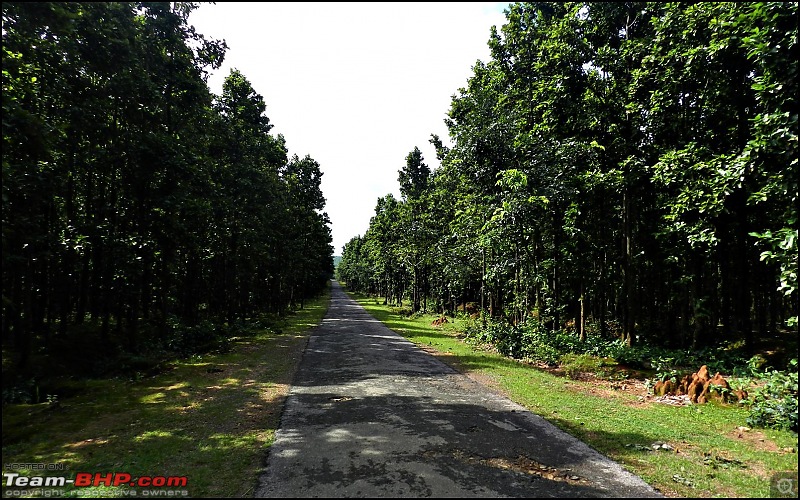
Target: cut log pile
x,y
700,387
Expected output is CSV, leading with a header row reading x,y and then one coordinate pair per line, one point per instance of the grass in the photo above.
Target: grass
x,y
708,456
211,418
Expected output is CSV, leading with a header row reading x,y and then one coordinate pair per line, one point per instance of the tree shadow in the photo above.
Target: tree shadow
x,y
372,414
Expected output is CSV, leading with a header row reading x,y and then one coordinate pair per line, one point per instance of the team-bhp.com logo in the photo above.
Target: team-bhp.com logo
x,y
20,485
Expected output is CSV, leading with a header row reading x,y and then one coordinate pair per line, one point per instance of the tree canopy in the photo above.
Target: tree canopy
x,y
133,198
626,168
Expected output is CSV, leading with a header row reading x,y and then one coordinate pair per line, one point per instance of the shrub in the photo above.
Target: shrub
x,y
187,340
22,391
774,404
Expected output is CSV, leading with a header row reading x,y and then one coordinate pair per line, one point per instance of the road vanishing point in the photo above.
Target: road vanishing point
x,y
372,415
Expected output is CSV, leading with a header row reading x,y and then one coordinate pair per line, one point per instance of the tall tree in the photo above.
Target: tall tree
x,y
629,165
134,201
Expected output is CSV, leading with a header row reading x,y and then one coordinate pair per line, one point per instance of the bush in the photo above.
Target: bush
x,y
22,391
531,340
774,405
186,340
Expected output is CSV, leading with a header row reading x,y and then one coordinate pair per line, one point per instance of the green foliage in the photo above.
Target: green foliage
x,y
533,341
672,362
665,370
21,391
618,170
413,178
186,341
702,435
783,251
217,438
774,405
133,198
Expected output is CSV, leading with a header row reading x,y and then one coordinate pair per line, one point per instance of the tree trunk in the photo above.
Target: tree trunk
x,y
582,320
628,319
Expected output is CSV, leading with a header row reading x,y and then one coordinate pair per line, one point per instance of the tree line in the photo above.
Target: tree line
x,y
134,199
625,168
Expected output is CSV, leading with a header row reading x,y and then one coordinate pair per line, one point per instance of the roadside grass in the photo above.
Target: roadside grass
x,y
210,418
707,455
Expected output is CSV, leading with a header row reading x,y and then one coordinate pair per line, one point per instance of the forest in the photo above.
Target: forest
x,y
616,202
622,170
141,211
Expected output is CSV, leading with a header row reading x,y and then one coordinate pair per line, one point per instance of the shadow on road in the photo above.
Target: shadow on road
x,y
372,415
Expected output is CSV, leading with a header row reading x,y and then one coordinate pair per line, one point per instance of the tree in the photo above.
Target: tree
x,y
628,166
136,203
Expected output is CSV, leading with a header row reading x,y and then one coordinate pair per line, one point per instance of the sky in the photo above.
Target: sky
x,y
356,86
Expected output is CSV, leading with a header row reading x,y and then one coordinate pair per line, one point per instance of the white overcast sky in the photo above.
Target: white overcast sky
x,y
354,85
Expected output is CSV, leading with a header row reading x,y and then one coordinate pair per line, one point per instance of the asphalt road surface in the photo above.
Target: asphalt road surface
x,y
372,415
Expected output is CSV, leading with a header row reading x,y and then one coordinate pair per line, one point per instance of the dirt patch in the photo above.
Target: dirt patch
x,y
756,439
611,389
586,382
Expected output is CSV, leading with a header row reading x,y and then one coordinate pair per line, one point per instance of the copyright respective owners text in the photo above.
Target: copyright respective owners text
x,y
25,480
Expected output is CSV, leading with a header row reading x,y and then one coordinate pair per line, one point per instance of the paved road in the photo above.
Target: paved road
x,y
371,415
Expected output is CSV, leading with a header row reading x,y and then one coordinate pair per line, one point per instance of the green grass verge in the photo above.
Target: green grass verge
x,y
211,418
709,456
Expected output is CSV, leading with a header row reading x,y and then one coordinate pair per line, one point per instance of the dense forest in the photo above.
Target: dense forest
x,y
616,169
137,205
